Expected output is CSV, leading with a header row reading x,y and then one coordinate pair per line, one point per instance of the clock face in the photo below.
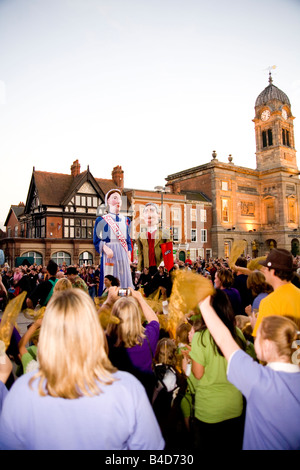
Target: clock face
x,y
284,114
265,115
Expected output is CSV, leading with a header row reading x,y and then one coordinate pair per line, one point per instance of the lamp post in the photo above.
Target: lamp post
x,y
162,190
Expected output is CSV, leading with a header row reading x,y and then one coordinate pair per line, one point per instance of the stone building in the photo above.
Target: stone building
x,y
258,205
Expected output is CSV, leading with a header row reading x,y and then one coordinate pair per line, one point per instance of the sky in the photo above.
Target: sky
x,y
152,85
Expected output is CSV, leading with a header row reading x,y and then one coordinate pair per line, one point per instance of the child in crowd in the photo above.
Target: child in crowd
x,y
273,404
28,355
184,335
168,392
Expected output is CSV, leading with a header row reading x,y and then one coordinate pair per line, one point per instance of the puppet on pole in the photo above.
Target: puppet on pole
x,y
112,241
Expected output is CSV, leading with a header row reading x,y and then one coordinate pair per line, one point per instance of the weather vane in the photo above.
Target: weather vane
x,y
270,68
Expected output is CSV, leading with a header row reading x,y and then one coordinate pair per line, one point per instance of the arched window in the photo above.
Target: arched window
x,y
291,210
61,257
38,258
295,247
85,258
270,212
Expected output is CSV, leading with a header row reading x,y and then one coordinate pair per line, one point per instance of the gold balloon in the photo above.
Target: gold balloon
x,y
187,291
10,315
106,317
255,263
238,247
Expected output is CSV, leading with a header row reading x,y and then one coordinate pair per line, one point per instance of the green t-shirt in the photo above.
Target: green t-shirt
x,y
28,357
216,399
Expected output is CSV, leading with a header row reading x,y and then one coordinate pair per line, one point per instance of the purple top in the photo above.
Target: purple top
x,y
140,355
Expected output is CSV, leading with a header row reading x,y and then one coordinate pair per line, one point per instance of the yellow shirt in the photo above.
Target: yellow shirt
x,y
285,300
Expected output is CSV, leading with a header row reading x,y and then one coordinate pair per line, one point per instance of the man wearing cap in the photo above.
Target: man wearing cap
x,y
278,269
112,241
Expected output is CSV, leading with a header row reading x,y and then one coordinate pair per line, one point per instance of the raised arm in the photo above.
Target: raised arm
x,y
149,314
218,330
27,336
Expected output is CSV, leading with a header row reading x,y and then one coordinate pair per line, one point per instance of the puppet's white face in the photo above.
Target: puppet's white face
x,y
151,216
115,202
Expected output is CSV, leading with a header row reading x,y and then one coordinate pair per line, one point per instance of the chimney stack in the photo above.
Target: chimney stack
x,y
75,169
118,176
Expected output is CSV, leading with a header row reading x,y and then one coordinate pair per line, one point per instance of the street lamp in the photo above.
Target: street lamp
x,y
162,190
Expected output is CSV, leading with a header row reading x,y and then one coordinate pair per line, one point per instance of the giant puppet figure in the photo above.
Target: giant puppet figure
x,y
113,243
149,243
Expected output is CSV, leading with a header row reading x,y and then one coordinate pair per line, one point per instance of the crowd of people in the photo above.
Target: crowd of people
x,y
229,377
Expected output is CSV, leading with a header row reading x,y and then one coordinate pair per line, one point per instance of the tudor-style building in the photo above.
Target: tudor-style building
x,y
58,218
261,205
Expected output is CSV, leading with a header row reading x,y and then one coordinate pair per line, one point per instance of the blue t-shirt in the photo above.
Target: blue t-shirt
x,y
258,299
119,418
273,403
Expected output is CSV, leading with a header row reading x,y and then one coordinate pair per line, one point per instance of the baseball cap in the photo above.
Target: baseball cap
x,y
279,258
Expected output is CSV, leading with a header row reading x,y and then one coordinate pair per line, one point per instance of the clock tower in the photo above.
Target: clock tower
x,y
274,130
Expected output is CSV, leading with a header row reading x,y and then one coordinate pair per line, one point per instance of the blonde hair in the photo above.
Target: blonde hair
x,y
166,352
282,331
130,330
71,351
62,284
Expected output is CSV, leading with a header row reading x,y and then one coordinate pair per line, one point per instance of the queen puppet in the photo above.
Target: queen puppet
x,y
112,241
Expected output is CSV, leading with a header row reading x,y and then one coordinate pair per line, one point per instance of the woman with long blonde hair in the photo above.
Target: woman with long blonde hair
x,y
131,344
76,399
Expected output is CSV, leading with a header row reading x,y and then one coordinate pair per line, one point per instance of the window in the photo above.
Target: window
x,y
203,235
226,249
175,213
270,212
291,211
61,257
193,235
85,258
267,138
175,232
38,258
78,228
193,215
203,215
285,137
39,229
225,211
224,185
85,201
